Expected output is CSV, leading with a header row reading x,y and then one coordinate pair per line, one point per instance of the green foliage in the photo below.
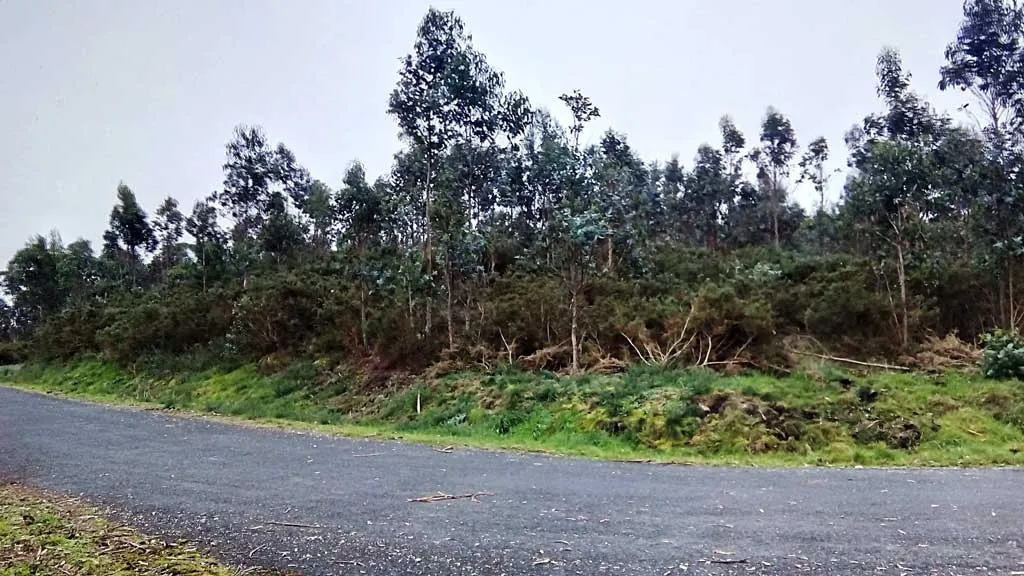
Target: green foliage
x,y
1003,357
501,238
13,353
689,415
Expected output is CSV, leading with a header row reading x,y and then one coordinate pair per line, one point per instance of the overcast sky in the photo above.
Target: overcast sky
x,y
99,91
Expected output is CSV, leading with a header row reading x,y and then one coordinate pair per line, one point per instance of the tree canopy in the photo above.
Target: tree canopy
x,y
499,234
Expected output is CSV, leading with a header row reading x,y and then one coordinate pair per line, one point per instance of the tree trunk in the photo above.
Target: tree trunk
x,y
775,213
362,313
204,268
901,271
428,249
575,287
610,266
574,311
1013,308
547,324
448,307
412,308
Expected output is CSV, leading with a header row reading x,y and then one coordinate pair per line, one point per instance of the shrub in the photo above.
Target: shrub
x,y
1003,356
13,353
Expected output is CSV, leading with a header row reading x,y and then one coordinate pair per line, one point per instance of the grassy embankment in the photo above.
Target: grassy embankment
x,y
41,535
831,418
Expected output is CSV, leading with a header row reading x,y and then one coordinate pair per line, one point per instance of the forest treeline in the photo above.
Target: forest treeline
x,y
498,236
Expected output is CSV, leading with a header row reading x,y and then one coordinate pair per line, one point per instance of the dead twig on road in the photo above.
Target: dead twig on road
x,y
445,450
368,455
256,549
291,524
441,496
727,561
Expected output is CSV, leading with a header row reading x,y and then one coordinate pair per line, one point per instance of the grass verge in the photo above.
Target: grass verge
x,y
831,418
41,535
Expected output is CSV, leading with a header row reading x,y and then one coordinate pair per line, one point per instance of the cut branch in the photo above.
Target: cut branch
x,y
291,524
441,496
851,361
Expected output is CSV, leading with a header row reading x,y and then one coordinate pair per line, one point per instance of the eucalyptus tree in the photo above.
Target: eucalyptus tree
x,y
32,280
320,210
362,212
446,92
130,236
891,191
986,60
8,324
812,168
168,227
774,158
632,207
209,241
579,221
708,189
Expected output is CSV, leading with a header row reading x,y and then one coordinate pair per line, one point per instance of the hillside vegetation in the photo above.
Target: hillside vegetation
x,y
831,418
499,233
527,281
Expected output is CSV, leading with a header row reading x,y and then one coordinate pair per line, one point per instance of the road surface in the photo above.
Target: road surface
x,y
321,505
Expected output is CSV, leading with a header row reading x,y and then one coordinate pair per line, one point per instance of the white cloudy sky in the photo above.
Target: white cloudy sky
x,y
148,91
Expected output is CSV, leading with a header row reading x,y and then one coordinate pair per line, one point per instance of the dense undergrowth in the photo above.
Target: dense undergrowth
x,y
826,417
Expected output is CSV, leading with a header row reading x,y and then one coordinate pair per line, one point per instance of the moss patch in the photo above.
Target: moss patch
x,y
41,535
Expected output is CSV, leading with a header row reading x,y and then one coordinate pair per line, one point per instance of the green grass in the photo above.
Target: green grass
x,y
41,535
687,416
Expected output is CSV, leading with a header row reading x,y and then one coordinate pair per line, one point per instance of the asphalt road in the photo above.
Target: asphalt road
x,y
234,489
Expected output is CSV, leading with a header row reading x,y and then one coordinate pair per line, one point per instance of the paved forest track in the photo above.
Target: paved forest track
x,y
325,505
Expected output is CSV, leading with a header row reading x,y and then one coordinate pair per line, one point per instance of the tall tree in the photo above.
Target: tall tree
x,y
778,148
33,282
987,61
78,270
208,240
580,224
891,190
446,91
708,189
319,208
362,212
263,187
812,168
169,227
630,204
130,236
8,326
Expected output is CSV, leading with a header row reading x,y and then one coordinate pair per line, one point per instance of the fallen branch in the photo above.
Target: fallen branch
x,y
256,549
291,524
445,450
727,561
850,361
368,455
441,496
